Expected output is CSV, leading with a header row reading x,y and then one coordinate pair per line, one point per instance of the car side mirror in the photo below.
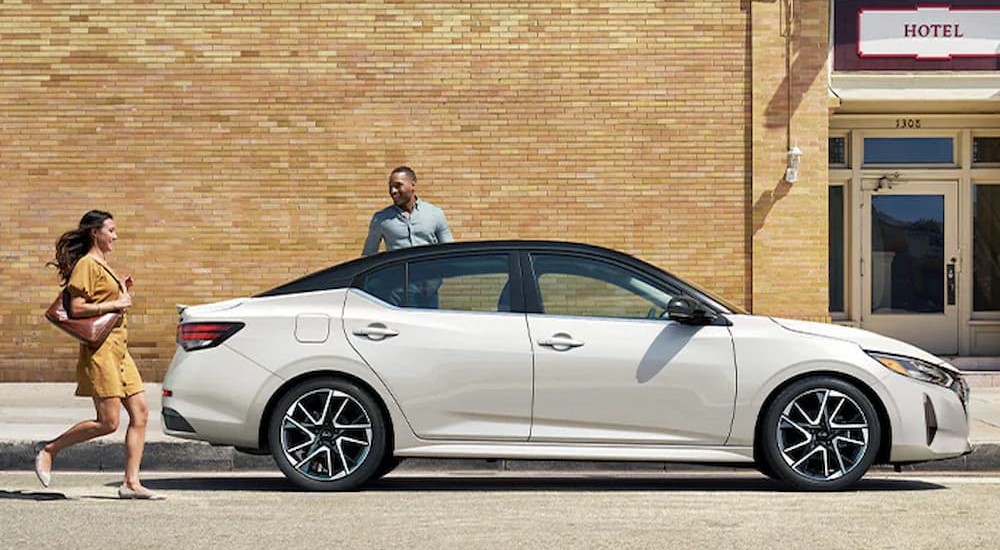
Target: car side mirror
x,y
687,310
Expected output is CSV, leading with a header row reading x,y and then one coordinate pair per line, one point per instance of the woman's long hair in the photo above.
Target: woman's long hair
x,y
75,244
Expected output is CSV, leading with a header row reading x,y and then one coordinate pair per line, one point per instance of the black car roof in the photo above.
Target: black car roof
x,y
343,275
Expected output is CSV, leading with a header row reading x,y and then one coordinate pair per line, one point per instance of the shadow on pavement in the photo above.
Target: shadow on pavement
x,y
472,483
236,483
31,495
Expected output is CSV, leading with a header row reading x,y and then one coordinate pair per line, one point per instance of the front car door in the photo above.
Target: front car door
x,y
610,369
440,335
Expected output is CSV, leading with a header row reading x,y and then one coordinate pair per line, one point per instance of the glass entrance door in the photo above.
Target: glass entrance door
x,y
909,263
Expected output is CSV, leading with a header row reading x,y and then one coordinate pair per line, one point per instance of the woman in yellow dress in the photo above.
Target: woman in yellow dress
x,y
106,374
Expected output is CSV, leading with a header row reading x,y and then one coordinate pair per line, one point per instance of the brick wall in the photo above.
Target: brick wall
x,y
789,221
242,144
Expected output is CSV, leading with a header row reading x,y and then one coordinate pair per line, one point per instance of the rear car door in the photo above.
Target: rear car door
x,y
440,335
609,369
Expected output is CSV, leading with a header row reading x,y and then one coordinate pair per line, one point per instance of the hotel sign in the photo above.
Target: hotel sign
x,y
923,32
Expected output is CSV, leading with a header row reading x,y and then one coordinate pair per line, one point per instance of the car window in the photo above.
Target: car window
x,y
463,283
386,284
570,285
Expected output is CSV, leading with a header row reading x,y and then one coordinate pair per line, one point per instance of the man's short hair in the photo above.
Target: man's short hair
x,y
405,170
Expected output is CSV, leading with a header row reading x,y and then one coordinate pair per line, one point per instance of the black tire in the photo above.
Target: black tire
x,y
389,463
810,450
327,434
765,468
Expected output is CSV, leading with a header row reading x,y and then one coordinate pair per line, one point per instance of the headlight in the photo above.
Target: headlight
x,y
914,368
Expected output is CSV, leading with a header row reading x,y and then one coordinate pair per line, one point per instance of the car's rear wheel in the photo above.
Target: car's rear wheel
x,y
820,434
327,434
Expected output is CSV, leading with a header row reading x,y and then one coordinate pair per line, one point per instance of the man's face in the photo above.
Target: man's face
x,y
401,189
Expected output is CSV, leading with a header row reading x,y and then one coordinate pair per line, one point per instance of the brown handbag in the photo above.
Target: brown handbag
x,y
92,331
89,330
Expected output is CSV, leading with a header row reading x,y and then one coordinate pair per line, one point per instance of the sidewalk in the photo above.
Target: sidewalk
x,y
31,413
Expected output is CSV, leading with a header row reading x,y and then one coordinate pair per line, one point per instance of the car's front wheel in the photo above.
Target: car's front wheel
x,y
327,434
820,434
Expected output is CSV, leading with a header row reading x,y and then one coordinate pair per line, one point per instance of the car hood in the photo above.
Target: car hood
x,y
868,341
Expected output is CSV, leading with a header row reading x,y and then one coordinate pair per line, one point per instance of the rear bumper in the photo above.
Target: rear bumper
x,y
214,396
174,422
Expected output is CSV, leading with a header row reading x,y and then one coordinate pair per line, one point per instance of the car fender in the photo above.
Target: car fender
x,y
759,377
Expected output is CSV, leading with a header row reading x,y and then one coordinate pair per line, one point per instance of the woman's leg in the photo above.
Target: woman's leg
x,y
135,437
108,410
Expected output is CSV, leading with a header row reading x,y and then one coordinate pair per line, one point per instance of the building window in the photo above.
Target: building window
x,y
986,150
986,248
909,150
836,249
838,151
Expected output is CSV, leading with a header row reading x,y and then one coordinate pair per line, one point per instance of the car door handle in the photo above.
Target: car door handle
x,y
560,342
376,331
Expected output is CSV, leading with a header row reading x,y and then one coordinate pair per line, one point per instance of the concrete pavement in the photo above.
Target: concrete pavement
x,y
31,413
503,510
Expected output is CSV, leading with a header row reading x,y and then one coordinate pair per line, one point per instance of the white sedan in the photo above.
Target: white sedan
x,y
546,350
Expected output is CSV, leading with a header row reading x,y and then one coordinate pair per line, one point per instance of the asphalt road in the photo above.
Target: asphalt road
x,y
509,511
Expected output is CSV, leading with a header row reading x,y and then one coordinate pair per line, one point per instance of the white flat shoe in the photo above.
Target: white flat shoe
x,y
45,478
145,494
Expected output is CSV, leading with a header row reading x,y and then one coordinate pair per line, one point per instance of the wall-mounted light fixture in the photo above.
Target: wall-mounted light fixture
x,y
885,182
794,158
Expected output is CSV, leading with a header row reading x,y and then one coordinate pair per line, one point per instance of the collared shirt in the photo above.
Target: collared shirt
x,y
425,225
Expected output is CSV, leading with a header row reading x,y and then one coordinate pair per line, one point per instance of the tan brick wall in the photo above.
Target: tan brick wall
x,y
789,221
241,144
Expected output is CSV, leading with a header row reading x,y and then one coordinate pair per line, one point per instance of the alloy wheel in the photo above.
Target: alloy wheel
x,y
823,434
326,434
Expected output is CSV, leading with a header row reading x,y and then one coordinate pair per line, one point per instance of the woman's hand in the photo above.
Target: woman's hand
x,y
123,302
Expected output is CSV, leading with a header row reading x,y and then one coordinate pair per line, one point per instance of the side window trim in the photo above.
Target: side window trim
x,y
517,298
529,284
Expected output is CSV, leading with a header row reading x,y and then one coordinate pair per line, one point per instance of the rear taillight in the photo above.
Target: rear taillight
x,y
192,336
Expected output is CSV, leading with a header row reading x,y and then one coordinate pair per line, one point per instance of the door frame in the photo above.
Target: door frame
x,y
939,333
949,118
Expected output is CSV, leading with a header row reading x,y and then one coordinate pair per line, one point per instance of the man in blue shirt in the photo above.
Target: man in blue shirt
x,y
409,221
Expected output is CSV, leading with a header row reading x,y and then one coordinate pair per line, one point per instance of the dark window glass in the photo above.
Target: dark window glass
x,y
464,283
986,150
909,150
589,288
386,284
836,248
907,268
986,248
838,151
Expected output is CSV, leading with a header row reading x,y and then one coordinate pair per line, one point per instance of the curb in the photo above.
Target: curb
x,y
201,457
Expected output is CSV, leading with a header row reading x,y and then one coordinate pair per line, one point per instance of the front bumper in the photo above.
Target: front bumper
x,y
932,421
